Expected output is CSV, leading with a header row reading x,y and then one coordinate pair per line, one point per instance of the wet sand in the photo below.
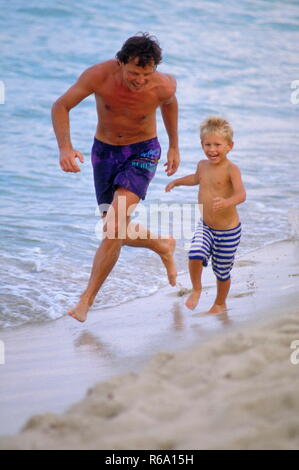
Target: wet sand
x,y
167,378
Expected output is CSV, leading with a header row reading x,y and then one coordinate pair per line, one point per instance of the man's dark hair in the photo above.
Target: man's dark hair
x,y
143,46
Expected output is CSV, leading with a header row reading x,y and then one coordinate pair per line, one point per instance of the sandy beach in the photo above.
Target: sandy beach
x,y
152,375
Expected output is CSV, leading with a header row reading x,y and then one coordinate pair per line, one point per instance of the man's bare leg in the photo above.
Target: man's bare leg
x,y
108,253
164,247
219,305
195,271
105,258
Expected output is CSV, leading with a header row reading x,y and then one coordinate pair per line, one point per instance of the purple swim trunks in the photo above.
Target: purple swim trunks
x,y
130,166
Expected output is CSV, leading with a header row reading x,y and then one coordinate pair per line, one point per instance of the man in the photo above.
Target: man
x,y
128,90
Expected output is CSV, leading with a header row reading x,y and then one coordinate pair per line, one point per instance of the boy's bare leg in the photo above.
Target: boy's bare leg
x,y
219,305
108,253
195,271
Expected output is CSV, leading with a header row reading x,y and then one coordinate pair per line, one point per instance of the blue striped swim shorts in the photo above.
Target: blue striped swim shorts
x,y
219,245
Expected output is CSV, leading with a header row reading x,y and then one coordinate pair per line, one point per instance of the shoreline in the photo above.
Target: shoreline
x,y
35,380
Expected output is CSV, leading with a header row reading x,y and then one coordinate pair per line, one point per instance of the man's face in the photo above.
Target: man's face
x,y
135,77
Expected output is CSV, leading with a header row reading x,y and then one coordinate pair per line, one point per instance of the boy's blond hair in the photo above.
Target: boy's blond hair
x,y
216,124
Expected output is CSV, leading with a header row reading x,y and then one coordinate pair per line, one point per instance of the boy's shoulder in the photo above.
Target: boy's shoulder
x,y
232,164
232,167
200,164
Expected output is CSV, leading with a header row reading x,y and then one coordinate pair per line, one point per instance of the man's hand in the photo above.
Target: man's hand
x,y
68,160
173,161
220,203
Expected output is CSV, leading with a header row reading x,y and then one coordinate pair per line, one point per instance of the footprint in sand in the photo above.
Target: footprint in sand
x,y
242,294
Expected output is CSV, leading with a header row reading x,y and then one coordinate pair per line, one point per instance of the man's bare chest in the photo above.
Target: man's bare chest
x,y
114,103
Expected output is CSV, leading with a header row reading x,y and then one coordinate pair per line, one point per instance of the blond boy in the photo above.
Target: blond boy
x,y
220,190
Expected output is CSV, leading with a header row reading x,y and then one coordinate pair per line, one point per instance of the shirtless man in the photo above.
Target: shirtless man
x,y
128,90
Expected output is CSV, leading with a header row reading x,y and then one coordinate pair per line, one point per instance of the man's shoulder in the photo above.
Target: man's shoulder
x,y
166,86
101,69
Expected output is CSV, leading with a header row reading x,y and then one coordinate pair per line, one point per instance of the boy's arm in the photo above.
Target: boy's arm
x,y
238,187
239,193
190,180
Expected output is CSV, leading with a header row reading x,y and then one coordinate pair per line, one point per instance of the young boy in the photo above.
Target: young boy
x,y
220,190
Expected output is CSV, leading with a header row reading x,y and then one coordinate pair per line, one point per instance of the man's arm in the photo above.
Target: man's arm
x,y
61,122
169,111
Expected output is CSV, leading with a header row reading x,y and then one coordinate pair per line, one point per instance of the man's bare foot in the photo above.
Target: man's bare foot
x,y
167,250
217,308
79,312
193,299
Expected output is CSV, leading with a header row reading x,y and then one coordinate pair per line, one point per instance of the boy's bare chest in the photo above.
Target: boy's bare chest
x,y
217,181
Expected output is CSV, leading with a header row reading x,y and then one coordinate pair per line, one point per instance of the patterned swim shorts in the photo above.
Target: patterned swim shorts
x,y
129,166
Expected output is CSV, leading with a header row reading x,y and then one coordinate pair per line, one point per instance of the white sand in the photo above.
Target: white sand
x,y
236,389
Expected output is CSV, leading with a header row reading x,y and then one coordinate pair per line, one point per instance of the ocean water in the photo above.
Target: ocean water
x,y
235,59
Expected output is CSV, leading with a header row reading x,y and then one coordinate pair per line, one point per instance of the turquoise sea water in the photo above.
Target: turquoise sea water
x,y
233,58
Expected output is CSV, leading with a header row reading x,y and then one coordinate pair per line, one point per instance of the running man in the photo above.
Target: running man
x,y
128,90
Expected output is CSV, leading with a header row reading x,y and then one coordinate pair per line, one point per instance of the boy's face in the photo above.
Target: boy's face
x,y
216,147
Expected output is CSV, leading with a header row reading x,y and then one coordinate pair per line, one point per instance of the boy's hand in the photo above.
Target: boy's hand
x,y
219,203
170,186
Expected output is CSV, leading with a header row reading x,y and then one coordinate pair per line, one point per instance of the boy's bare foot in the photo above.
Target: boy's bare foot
x,y
167,250
217,308
79,312
193,299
